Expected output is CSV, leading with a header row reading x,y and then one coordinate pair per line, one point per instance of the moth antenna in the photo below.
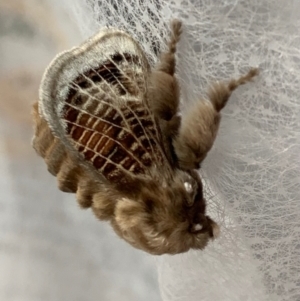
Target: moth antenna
x,y
219,93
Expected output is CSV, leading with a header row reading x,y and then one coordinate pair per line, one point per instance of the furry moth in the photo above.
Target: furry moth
x,y
108,128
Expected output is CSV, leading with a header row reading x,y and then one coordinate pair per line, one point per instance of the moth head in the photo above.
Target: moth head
x,y
164,220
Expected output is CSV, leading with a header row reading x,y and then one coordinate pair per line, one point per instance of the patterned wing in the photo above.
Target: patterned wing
x,y
94,98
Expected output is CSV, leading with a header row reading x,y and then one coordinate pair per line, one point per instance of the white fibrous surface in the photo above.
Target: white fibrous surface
x,y
252,173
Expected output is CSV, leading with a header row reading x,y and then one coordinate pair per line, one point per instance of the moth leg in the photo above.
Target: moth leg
x,y
164,89
200,125
167,62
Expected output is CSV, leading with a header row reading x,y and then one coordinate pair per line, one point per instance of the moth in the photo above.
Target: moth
x,y
109,128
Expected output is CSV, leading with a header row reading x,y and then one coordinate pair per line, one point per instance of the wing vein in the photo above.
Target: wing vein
x,y
104,135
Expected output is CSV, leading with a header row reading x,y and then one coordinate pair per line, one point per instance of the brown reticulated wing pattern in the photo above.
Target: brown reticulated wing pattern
x,y
107,121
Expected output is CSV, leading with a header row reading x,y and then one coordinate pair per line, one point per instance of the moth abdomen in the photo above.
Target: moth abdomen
x,y
68,176
55,157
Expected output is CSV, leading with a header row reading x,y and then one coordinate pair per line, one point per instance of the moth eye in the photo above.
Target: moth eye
x,y
188,187
196,228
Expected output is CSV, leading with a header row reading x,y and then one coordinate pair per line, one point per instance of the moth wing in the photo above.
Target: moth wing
x,y
94,98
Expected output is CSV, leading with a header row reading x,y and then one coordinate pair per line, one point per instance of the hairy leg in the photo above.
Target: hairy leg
x,y
164,90
200,125
167,62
